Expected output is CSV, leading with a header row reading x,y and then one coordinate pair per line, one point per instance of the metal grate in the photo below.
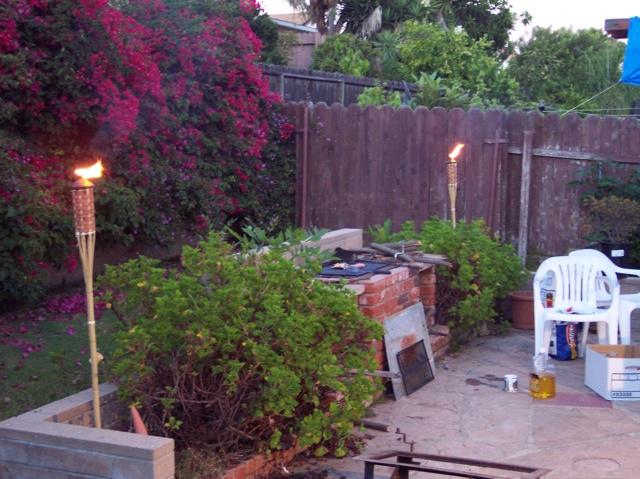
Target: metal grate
x,y
414,367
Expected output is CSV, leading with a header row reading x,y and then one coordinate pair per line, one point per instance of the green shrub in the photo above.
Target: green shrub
x,y
379,95
241,351
347,54
483,270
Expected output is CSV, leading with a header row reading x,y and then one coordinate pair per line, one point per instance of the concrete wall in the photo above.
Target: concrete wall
x,y
55,442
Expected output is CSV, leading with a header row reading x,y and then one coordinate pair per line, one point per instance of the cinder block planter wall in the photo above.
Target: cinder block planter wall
x,y
54,442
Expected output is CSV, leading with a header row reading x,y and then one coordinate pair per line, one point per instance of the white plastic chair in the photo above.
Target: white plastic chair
x,y
575,298
628,302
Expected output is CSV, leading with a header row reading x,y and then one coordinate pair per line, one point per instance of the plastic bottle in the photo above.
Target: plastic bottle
x,y
542,379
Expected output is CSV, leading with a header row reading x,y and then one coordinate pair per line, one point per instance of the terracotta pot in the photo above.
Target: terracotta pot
x,y
522,316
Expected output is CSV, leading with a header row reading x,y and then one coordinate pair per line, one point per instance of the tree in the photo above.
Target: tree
x,y
345,54
456,57
492,19
564,68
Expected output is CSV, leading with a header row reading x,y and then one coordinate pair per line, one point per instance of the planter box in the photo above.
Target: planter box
x,y
56,442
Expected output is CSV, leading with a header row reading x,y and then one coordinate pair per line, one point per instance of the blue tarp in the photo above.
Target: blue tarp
x,y
631,66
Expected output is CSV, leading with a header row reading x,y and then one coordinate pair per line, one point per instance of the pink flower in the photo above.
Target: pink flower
x,y
70,331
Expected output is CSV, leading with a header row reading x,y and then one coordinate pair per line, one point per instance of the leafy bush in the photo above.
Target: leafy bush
x,y
483,270
346,54
241,351
378,96
459,60
611,219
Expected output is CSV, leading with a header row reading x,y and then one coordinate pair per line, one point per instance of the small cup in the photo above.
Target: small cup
x,y
510,383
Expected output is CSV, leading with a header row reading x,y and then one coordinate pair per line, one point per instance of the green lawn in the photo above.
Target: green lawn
x,y
44,351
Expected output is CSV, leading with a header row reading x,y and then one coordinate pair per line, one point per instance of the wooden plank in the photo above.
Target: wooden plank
x,y
515,126
569,171
297,111
358,166
401,131
319,168
525,195
436,136
578,155
474,168
617,27
493,151
339,144
423,206
372,147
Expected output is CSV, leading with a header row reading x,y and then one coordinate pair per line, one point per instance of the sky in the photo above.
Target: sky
x,y
575,14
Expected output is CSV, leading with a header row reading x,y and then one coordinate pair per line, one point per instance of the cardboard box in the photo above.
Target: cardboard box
x,y
613,371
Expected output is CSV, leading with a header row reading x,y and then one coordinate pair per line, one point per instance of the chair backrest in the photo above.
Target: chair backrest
x,y
576,281
603,296
594,253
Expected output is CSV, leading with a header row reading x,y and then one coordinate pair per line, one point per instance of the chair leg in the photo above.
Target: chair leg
x,y
583,342
624,320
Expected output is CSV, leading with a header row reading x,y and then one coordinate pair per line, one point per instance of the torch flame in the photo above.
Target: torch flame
x,y
456,152
94,171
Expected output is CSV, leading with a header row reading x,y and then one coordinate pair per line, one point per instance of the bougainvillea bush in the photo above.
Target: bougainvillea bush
x,y
241,352
166,93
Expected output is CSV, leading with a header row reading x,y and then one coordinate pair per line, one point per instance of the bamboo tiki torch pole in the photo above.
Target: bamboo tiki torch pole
x,y
84,215
452,179
452,176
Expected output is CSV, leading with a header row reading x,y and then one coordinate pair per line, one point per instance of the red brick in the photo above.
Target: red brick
x,y
428,300
238,472
371,299
403,273
256,463
381,359
428,290
403,298
426,279
375,284
414,293
376,311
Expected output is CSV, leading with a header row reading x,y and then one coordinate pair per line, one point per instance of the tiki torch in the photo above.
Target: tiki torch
x,y
85,220
452,177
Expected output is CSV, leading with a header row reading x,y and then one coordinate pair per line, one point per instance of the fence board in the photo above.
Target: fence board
x,y
368,165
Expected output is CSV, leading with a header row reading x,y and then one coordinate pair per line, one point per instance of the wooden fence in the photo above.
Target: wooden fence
x,y
296,84
358,167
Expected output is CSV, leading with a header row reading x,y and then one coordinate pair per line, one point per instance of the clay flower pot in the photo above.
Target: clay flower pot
x,y
522,316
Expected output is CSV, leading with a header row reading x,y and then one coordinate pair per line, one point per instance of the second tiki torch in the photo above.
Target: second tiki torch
x,y
452,179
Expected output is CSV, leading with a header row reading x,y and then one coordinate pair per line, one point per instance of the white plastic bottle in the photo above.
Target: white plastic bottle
x,y
542,379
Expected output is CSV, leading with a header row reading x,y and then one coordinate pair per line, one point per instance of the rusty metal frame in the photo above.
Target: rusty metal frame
x,y
403,462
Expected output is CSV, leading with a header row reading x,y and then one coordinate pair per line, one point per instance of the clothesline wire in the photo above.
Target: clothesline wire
x,y
594,96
